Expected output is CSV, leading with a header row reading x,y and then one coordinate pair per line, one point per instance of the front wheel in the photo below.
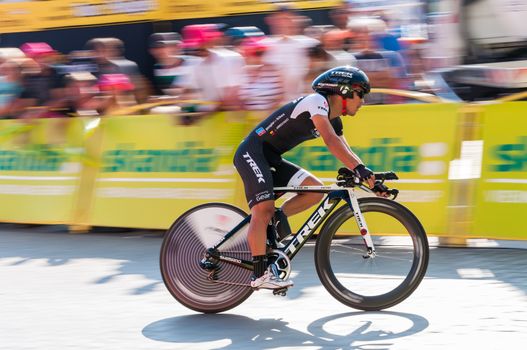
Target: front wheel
x,y
382,281
184,246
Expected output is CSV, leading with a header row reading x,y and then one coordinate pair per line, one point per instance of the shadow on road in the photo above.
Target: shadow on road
x,y
138,253
356,330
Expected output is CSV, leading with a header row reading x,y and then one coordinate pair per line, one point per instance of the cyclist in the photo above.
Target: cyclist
x,y
338,92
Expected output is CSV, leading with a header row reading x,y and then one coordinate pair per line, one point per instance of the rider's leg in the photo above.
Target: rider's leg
x,y
303,201
261,214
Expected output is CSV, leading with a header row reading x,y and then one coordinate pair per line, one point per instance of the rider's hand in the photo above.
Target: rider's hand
x,y
365,174
380,190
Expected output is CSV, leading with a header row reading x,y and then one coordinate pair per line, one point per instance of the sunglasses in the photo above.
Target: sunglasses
x,y
360,93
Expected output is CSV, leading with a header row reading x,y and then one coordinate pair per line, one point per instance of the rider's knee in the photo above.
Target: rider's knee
x,y
263,210
312,181
313,196
317,197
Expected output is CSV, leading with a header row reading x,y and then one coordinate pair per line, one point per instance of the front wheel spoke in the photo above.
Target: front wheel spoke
x,y
346,247
409,259
382,254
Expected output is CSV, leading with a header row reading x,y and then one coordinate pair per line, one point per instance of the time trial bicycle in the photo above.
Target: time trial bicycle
x,y
370,254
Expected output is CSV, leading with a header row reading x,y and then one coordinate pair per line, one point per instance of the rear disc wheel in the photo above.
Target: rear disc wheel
x,y
185,245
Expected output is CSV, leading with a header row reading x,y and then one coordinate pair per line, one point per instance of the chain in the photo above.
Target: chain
x,y
211,278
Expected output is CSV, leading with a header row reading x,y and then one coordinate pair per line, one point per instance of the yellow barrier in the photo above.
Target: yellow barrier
x,y
144,171
40,166
501,195
153,168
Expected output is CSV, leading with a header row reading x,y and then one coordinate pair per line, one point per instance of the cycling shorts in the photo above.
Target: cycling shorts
x,y
261,169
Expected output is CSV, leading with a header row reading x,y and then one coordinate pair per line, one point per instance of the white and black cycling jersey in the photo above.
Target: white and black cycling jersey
x,y
258,158
291,124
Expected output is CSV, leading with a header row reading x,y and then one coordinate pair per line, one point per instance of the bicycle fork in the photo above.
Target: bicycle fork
x,y
361,222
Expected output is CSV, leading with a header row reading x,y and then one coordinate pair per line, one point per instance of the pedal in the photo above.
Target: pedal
x,y
281,292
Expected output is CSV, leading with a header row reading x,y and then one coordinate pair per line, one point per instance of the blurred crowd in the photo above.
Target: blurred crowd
x,y
208,67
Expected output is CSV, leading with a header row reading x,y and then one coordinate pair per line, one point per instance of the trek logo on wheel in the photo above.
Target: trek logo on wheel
x,y
255,167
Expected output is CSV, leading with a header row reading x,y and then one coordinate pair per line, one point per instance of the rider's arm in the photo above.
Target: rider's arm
x,y
343,139
336,145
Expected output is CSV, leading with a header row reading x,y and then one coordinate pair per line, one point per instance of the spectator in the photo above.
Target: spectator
x,y
10,87
117,93
302,23
333,42
316,31
339,16
10,53
216,78
78,61
235,35
81,92
371,60
262,87
377,27
108,56
42,84
319,62
288,51
172,68
385,39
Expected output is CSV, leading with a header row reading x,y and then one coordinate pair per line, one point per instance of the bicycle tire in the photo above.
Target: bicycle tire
x,y
184,246
415,255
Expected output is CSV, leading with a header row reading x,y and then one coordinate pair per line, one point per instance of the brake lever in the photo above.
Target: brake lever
x,y
394,192
344,181
380,187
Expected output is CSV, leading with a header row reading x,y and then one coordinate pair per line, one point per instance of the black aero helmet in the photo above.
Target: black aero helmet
x,y
343,81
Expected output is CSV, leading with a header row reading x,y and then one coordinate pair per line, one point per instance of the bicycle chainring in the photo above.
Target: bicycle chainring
x,y
280,263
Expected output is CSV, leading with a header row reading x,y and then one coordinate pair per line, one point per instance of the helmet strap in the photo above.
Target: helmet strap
x,y
344,106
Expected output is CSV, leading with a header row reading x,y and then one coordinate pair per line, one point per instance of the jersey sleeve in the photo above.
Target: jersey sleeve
x,y
316,104
337,126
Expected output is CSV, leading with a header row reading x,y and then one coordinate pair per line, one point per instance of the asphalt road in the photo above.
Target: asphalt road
x,y
104,291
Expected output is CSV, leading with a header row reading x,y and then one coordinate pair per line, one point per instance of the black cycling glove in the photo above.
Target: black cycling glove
x,y
362,172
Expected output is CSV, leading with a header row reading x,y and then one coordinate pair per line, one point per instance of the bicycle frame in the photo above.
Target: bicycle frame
x,y
325,208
